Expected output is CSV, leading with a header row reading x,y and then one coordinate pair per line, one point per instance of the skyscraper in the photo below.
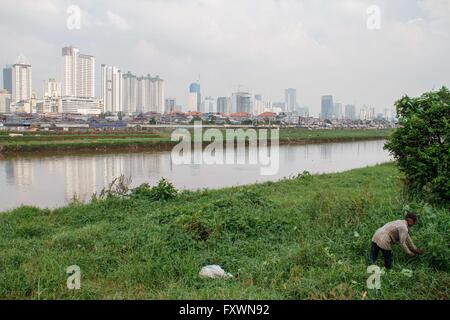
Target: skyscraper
x,y
224,105
209,105
170,105
350,112
21,80
195,97
7,78
290,99
112,89
337,110
327,107
366,113
52,89
5,101
129,93
79,74
143,94
241,102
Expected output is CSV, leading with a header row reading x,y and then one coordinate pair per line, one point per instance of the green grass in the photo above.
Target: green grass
x,y
67,141
332,135
293,239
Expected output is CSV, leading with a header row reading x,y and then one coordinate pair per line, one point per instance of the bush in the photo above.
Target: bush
x,y
421,145
164,190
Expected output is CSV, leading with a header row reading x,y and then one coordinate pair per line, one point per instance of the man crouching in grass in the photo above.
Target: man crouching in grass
x,y
391,233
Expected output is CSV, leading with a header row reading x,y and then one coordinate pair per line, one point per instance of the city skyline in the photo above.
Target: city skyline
x,y
144,93
318,47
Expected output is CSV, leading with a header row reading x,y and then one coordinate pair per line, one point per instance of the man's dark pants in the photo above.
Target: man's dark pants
x,y
387,255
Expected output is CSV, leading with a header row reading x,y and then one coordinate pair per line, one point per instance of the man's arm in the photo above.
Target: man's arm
x,y
411,245
406,242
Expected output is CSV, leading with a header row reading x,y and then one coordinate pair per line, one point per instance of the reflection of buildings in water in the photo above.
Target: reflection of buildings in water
x,y
80,178
308,150
9,172
113,167
326,151
143,165
19,172
54,165
291,154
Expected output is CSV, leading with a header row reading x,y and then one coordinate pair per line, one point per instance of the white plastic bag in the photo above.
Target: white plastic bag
x,y
214,272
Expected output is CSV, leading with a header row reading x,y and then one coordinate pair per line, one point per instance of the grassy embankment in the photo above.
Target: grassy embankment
x,y
303,238
32,142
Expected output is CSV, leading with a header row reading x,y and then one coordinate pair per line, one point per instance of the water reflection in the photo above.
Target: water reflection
x,y
52,181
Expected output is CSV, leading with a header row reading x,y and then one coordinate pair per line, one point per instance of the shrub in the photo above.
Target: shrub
x,y
421,145
164,190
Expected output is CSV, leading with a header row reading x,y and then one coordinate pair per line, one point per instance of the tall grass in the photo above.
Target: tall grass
x,y
303,238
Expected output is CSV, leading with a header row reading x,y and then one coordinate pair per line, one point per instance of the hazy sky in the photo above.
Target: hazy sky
x,y
316,46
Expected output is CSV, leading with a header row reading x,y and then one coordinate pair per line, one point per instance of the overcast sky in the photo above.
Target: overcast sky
x,y
316,46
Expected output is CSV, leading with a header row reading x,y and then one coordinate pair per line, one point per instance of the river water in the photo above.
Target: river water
x,y
52,180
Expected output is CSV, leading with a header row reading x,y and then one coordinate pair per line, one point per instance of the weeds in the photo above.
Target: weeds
x,y
309,241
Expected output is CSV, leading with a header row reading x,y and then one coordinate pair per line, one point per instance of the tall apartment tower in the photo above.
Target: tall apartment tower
x,y
79,74
7,78
129,93
21,80
350,112
143,94
290,99
224,105
112,89
327,107
195,97
52,89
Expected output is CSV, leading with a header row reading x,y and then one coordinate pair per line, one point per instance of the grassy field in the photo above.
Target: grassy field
x,y
303,238
31,142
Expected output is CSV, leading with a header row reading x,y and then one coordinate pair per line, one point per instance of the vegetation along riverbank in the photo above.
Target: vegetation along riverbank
x,y
158,140
300,238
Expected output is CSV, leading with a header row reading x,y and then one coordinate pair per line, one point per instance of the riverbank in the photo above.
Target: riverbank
x,y
303,238
158,140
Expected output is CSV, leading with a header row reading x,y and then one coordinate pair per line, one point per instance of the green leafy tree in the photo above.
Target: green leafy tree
x,y
421,145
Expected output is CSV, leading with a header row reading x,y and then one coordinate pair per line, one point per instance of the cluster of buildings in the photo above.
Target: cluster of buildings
x,y
128,94
76,94
239,102
336,111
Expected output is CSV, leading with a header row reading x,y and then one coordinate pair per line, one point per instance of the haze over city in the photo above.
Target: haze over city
x,y
319,47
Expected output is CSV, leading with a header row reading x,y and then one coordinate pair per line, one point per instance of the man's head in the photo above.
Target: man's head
x,y
411,218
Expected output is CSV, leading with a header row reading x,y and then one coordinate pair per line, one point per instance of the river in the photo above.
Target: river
x,y
52,180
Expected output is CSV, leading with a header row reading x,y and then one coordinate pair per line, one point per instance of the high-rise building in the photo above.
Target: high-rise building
x,y
52,89
241,102
327,107
209,105
350,112
337,110
170,105
112,89
79,74
290,99
224,105
21,80
143,94
52,101
260,106
7,78
129,93
366,113
157,94
5,101
195,97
